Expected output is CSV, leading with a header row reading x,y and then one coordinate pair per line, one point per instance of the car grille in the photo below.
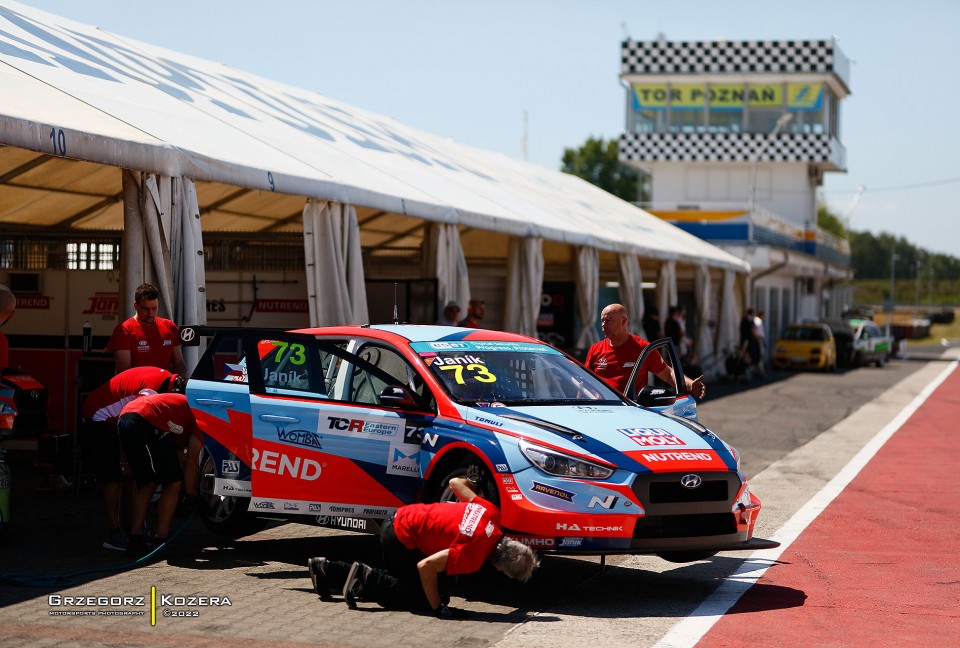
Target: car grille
x,y
672,492
652,527
662,495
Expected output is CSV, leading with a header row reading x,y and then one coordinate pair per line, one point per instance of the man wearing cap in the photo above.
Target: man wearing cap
x,y
99,413
474,314
450,315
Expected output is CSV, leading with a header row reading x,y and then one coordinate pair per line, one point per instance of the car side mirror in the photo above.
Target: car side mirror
x,y
398,396
656,397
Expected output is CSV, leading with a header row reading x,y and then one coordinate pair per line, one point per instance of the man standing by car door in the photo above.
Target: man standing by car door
x,y
613,357
146,340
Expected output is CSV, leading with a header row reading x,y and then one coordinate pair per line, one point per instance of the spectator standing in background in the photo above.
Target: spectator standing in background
x,y
450,315
475,310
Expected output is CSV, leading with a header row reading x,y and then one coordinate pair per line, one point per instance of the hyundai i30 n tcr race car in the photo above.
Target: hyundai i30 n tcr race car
x,y
341,426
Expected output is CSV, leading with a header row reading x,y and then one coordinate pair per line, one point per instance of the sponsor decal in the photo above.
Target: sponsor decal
x,y
570,543
278,463
342,522
38,302
607,502
507,479
489,529
553,491
291,506
334,508
537,542
232,488
230,467
372,429
264,505
516,497
315,508
590,409
677,456
512,489
448,345
471,519
431,439
282,306
404,460
376,512
502,468
101,303
651,437
301,437
562,526
481,419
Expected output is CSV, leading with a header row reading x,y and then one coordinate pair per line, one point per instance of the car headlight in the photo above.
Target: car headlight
x,y
744,500
557,463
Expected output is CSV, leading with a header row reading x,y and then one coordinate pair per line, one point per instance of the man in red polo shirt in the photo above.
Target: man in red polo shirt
x,y
419,543
613,358
99,413
153,430
145,339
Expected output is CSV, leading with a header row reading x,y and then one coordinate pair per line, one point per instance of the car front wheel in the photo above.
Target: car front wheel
x,y
225,515
467,466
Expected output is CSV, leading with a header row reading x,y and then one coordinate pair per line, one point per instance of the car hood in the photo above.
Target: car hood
x,y
630,437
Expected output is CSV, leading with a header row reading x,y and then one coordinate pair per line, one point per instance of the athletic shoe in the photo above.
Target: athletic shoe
x,y
117,541
318,576
353,588
140,544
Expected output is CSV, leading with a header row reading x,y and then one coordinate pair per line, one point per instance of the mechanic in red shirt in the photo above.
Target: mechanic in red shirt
x,y
419,543
145,339
100,442
613,358
153,430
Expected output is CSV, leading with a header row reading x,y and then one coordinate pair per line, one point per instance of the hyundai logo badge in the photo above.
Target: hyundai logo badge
x,y
690,481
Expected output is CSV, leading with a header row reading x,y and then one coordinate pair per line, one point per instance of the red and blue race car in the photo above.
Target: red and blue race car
x,y
340,426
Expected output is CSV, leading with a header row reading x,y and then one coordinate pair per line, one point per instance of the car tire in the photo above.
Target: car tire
x,y
440,489
692,555
881,361
857,359
226,515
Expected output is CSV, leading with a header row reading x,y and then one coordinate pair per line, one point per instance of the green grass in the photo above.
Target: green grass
x,y
932,294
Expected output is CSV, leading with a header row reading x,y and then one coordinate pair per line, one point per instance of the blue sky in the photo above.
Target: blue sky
x,y
470,70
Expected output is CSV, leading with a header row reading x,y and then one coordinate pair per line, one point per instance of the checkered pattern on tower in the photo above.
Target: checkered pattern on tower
x,y
725,147
665,57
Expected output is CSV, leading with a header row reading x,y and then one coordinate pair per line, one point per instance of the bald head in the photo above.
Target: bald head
x,y
613,323
8,304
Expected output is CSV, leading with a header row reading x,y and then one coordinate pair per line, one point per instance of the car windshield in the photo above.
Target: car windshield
x,y
807,333
511,373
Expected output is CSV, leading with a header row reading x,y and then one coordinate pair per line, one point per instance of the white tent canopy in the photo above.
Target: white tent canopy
x,y
72,91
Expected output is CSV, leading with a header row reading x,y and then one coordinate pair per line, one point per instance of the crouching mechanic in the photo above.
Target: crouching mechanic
x,y
99,412
153,430
420,542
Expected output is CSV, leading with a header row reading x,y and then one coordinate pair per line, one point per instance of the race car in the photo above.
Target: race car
x,y
341,426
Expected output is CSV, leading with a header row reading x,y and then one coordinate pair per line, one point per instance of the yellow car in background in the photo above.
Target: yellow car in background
x,y
806,346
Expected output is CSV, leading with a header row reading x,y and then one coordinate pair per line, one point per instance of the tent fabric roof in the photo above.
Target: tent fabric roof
x,y
256,147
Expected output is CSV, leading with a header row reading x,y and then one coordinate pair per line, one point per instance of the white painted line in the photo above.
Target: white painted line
x,y
692,629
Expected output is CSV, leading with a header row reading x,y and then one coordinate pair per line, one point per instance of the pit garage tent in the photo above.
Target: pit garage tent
x,y
77,103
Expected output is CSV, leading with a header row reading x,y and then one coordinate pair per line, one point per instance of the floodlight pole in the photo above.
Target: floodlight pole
x,y
893,267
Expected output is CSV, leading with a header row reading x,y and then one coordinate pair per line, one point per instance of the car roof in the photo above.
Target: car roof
x,y
419,333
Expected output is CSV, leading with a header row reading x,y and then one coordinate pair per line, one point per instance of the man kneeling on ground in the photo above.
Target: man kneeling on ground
x,y
419,543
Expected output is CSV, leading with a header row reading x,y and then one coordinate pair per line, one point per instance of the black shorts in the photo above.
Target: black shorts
x,y
153,458
100,444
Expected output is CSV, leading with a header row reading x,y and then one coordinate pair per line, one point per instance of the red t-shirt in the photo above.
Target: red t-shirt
x,y
470,530
106,401
614,364
169,413
149,346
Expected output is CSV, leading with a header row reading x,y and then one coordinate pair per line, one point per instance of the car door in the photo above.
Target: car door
x,y
317,448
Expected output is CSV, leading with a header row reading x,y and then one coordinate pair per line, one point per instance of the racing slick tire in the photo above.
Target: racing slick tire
x,y
882,360
686,556
226,515
466,465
